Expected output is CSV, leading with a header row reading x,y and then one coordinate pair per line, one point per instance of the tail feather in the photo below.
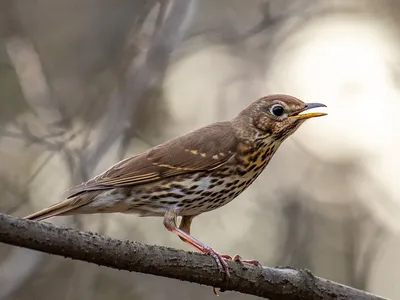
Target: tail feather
x,y
58,209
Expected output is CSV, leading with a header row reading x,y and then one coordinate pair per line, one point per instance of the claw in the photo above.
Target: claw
x,y
220,259
226,256
215,291
247,261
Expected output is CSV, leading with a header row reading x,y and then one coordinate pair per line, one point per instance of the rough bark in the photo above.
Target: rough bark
x,y
271,283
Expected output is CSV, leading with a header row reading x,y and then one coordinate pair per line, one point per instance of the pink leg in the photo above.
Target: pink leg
x,y
203,248
170,224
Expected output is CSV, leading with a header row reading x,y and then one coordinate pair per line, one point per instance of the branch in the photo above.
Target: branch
x,y
272,283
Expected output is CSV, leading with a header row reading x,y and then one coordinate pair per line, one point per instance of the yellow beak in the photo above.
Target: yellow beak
x,y
301,114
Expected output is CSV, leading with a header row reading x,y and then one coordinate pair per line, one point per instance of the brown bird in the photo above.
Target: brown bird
x,y
191,174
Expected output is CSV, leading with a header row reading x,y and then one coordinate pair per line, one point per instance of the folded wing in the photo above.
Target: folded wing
x,y
204,149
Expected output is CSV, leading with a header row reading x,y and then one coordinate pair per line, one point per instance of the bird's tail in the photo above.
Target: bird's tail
x,y
66,207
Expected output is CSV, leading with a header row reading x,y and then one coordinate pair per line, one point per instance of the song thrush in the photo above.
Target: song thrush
x,y
191,174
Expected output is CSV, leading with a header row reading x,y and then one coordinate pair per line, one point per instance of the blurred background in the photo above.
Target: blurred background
x,y
84,84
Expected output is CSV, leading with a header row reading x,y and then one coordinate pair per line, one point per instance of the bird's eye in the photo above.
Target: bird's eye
x,y
277,110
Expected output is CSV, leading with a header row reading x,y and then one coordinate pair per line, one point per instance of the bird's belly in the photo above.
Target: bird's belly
x,y
187,196
215,195
190,196
229,189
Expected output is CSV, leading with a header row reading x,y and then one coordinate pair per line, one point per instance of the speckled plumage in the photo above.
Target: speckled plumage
x,y
191,174
187,194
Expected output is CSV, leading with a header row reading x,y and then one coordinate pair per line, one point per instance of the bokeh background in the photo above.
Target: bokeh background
x,y
84,84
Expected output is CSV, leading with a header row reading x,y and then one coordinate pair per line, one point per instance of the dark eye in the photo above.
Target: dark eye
x,y
277,110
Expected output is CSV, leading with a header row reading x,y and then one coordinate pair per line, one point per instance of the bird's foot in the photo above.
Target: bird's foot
x,y
238,258
247,261
220,259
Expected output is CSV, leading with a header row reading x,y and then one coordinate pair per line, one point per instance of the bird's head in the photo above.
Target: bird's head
x,y
277,116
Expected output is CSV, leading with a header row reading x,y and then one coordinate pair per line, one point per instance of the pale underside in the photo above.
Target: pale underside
x,y
206,194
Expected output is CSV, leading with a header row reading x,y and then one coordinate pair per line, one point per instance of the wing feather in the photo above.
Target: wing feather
x,y
207,148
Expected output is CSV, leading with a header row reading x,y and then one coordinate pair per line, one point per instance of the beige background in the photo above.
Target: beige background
x,y
328,201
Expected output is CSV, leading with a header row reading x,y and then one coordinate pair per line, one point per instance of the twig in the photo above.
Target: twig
x,y
271,283
143,74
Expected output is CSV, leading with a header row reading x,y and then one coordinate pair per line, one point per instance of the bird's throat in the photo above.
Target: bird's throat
x,y
254,158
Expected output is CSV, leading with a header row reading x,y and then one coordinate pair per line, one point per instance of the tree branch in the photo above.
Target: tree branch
x,y
272,283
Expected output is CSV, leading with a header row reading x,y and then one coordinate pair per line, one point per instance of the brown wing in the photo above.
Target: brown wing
x,y
204,149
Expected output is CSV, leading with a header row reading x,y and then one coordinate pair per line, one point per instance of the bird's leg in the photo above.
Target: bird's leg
x,y
185,224
170,224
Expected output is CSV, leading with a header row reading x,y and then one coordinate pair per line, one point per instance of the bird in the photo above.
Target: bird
x,y
195,173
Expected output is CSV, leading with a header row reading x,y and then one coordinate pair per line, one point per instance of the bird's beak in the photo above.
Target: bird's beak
x,y
301,114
